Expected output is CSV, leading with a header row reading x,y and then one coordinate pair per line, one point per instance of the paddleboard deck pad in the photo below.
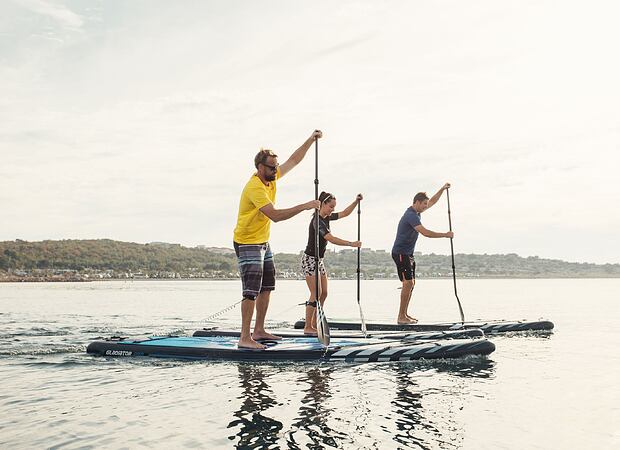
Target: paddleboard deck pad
x,y
289,349
403,336
489,327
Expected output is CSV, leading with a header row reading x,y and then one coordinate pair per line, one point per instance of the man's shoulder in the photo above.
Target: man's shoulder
x,y
410,212
253,179
255,183
412,217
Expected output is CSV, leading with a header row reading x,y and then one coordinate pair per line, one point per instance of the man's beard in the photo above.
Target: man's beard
x,y
270,177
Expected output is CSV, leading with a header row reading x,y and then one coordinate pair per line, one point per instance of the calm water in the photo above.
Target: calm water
x,y
548,392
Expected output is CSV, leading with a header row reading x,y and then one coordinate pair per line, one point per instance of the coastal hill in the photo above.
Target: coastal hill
x,y
69,260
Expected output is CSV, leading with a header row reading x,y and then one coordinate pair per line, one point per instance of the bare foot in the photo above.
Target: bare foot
x,y
412,318
310,332
406,320
264,336
251,344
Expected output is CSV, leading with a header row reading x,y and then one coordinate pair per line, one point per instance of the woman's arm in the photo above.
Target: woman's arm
x,y
349,209
337,241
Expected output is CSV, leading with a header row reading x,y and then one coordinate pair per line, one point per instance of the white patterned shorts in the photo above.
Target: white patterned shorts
x,y
308,265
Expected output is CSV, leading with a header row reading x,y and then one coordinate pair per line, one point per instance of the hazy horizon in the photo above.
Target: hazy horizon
x,y
139,121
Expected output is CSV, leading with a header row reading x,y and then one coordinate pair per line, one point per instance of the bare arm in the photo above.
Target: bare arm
x,y
349,209
277,215
435,198
433,234
337,241
299,154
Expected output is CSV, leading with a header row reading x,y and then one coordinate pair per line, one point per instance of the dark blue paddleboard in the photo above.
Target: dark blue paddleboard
x,y
289,349
407,336
489,327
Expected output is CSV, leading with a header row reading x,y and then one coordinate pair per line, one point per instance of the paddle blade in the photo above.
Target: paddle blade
x,y
364,330
322,327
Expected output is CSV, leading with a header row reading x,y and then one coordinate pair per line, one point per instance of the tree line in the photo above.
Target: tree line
x,y
110,255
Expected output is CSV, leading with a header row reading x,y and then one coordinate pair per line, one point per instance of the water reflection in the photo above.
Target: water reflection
x,y
311,424
468,367
256,430
433,425
411,405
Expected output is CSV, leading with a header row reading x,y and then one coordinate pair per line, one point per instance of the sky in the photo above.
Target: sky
x,y
139,121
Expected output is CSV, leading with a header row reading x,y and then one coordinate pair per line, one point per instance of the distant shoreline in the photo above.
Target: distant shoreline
x,y
86,260
29,281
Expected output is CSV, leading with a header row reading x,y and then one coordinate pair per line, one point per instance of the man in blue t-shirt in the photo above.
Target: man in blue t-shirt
x,y
407,233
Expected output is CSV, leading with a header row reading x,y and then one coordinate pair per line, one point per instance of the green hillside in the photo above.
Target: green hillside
x,y
103,258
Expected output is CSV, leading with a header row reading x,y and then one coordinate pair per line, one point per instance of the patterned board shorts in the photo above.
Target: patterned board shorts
x,y
308,265
258,273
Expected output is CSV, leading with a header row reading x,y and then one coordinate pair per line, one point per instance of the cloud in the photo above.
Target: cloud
x,y
144,129
345,45
60,13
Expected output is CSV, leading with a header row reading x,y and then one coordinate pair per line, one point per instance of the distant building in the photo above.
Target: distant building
x,y
217,250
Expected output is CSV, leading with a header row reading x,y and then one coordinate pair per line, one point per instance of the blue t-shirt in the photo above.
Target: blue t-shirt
x,y
406,235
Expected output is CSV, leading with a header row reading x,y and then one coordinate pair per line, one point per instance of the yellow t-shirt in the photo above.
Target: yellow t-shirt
x,y
252,225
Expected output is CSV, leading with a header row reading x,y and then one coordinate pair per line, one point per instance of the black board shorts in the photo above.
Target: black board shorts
x,y
405,266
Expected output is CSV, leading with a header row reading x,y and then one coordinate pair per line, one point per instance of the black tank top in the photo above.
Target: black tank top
x,y
323,230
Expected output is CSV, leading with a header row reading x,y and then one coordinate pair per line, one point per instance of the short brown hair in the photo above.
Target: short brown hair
x,y
262,156
420,197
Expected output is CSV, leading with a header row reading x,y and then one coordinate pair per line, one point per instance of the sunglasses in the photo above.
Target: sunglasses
x,y
274,168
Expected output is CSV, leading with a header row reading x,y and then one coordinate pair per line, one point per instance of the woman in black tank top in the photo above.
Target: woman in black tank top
x,y
308,262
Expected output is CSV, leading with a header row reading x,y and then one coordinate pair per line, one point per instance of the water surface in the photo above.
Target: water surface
x,y
536,391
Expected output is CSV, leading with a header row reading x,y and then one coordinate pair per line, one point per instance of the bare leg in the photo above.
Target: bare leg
x,y
245,340
405,297
262,304
310,313
323,293
410,295
310,325
322,297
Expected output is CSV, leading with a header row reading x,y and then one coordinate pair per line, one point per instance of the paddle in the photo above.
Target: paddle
x,y
322,327
452,252
359,250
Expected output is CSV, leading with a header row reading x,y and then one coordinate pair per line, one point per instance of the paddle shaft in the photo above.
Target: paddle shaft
x,y
452,254
359,274
322,326
359,215
316,221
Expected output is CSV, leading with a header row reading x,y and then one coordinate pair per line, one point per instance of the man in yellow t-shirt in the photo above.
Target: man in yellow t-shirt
x,y
251,237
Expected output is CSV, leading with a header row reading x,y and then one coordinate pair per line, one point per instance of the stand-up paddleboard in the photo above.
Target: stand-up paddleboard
x,y
403,336
289,349
489,327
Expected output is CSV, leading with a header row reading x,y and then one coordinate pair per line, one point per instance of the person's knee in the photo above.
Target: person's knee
x,y
323,295
408,284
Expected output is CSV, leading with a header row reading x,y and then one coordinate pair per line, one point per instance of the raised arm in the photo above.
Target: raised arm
x,y
299,154
337,241
435,198
433,234
349,209
277,215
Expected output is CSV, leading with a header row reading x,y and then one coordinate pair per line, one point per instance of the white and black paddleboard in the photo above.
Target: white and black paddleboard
x,y
352,334
489,327
288,349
